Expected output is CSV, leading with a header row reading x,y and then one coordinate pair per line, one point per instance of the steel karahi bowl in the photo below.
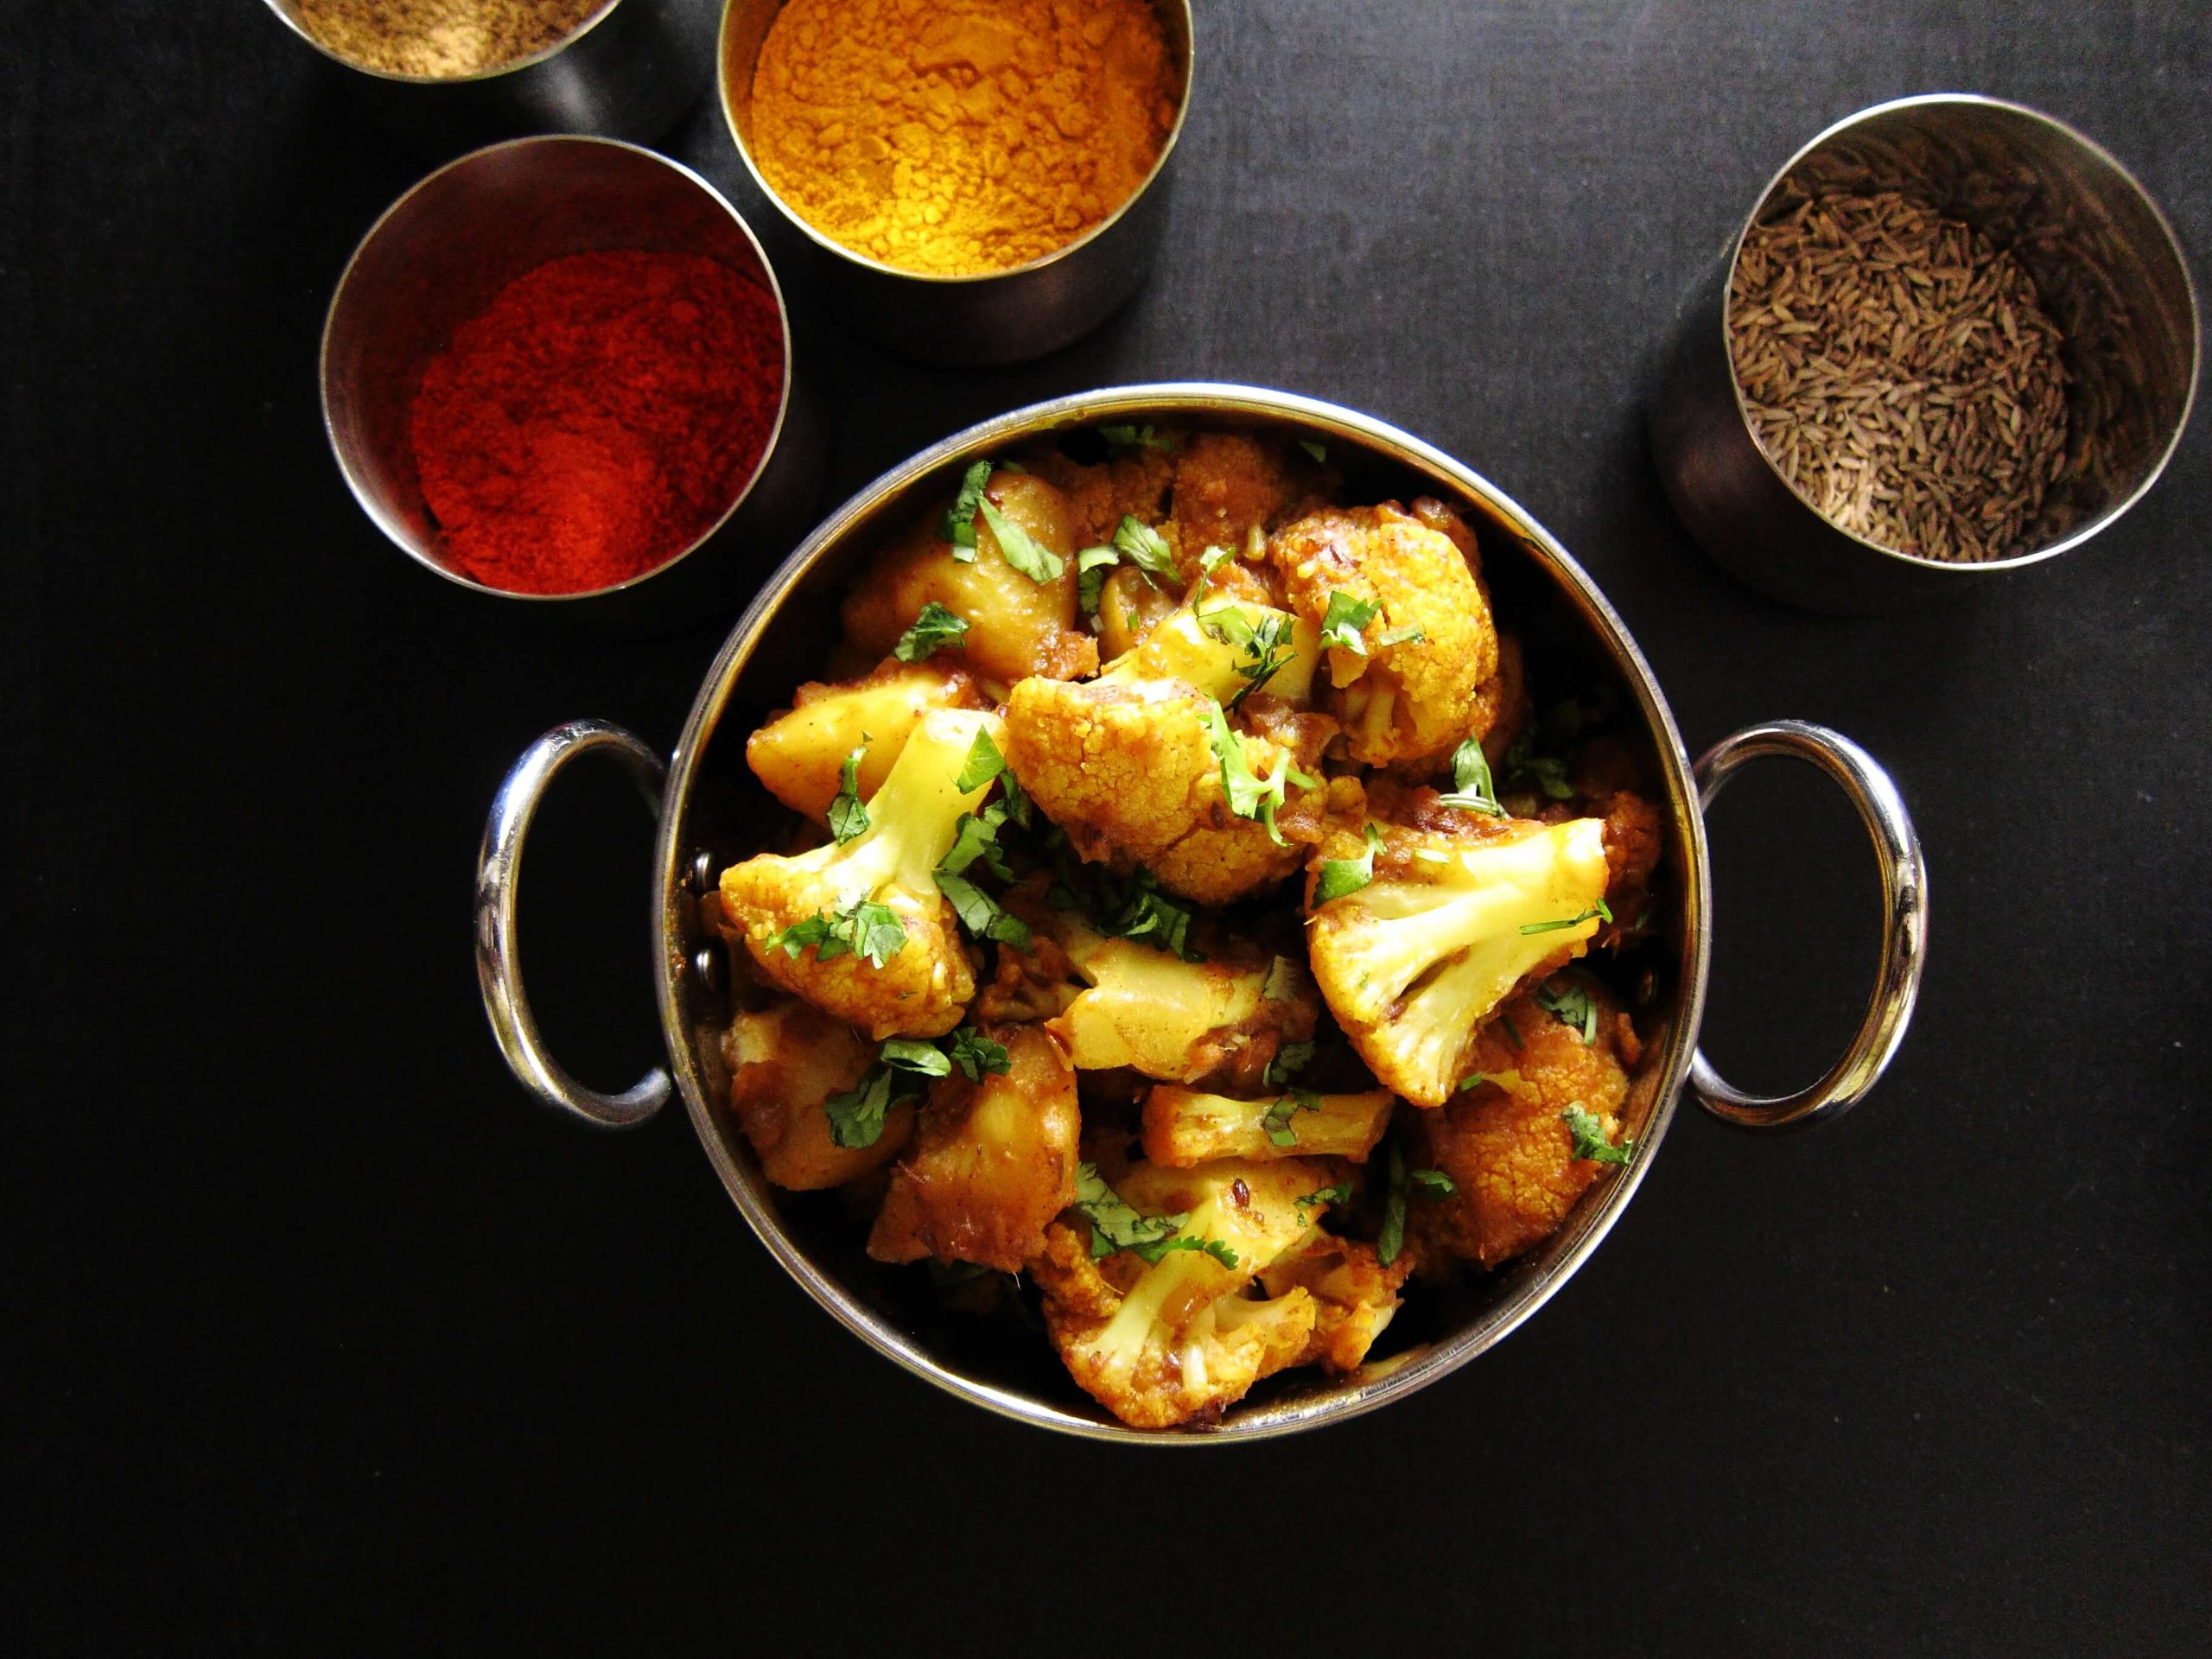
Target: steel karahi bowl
x,y
712,813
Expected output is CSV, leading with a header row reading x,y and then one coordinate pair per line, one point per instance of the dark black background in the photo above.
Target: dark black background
x,y
319,1336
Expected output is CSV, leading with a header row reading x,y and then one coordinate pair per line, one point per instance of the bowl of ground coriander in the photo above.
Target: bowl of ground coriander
x,y
975,182
442,73
1953,338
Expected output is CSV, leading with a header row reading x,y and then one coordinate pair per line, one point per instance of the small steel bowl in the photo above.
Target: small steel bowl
x,y
712,812
627,71
439,255
994,317
2106,267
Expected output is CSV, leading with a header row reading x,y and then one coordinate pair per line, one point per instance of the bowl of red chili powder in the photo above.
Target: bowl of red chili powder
x,y
559,369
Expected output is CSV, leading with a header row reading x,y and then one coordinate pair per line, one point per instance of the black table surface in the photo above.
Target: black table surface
x,y
321,1336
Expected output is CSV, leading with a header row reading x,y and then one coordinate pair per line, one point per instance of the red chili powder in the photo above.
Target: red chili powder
x,y
596,418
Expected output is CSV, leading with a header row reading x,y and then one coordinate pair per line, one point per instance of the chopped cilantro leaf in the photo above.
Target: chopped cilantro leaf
x,y
1090,568
984,763
1250,796
1340,876
1392,1237
1525,769
912,1054
856,1115
1590,1142
1471,785
1316,448
1598,910
1277,1122
1571,1006
982,915
1122,436
1512,1030
1412,636
1147,548
936,629
1014,799
847,818
871,930
1290,1059
976,836
1346,615
1435,1184
959,527
975,1054
1115,1226
1263,643
1340,1193
1039,563
1134,908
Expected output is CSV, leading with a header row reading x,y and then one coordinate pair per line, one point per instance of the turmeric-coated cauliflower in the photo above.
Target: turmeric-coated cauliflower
x,y
1414,637
1414,961
1503,1141
1162,1344
1186,1127
1354,1294
1140,763
993,1159
1149,1009
860,928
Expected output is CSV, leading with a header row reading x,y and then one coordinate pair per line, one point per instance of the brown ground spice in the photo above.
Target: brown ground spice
x,y
445,39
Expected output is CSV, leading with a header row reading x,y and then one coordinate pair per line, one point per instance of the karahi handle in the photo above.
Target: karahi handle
x,y
499,880
1905,925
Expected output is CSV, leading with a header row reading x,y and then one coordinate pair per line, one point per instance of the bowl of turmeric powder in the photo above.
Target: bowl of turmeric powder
x,y
975,182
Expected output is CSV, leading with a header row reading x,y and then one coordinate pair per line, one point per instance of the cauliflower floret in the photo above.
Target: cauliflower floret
x,y
1226,487
783,1063
1131,764
1180,1339
1354,1294
799,755
1179,1020
1503,1141
1407,695
1413,962
1183,1127
1016,625
1133,484
992,1161
860,929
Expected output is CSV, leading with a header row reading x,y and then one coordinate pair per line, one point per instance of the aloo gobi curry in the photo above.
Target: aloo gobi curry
x,y
1190,938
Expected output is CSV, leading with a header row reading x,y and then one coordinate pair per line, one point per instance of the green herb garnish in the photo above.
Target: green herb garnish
x,y
1471,785
1316,448
1249,795
1346,615
1090,568
847,817
984,763
912,1054
936,629
1435,1184
1037,563
1147,548
1290,1059
1340,1193
864,928
1590,1142
1277,1122
1115,1226
1411,636
1340,876
1121,436
1598,910
856,1117
1571,1006
975,1054
959,527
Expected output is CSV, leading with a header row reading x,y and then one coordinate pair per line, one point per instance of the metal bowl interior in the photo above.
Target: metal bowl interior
x,y
746,24
716,813
443,251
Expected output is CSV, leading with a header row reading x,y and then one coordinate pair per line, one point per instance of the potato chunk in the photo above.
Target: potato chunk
x,y
992,1162
1016,626
799,755
784,1063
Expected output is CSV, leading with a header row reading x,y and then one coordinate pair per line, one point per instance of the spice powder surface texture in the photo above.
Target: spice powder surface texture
x,y
439,38
1900,373
596,418
956,137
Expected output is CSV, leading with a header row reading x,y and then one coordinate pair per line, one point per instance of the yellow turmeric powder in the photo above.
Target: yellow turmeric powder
x,y
955,137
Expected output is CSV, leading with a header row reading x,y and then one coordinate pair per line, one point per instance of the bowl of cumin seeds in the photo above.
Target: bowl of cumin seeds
x,y
1953,338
